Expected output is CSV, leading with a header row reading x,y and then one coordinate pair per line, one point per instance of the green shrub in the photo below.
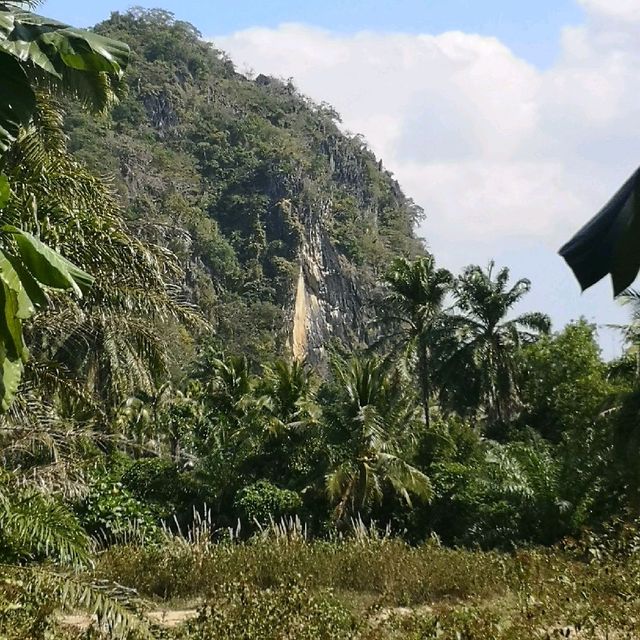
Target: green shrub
x,y
263,502
154,480
241,610
161,483
390,570
113,515
392,590
23,614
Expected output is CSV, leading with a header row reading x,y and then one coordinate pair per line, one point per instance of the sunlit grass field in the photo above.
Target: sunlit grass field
x,y
281,587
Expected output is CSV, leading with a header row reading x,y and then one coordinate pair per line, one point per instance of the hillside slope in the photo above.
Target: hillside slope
x,y
283,222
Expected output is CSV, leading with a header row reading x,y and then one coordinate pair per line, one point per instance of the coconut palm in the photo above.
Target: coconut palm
x,y
416,307
229,383
289,392
227,390
370,426
483,368
287,429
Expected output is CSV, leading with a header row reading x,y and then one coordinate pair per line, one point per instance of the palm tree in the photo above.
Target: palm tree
x,y
229,383
370,425
416,307
40,57
483,368
227,390
289,391
527,478
287,429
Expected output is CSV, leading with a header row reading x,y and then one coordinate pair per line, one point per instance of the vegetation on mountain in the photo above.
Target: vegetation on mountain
x,y
239,177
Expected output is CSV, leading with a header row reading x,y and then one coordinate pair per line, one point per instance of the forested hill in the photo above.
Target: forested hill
x,y
283,221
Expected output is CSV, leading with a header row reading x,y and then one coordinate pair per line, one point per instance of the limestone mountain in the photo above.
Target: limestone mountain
x,y
283,221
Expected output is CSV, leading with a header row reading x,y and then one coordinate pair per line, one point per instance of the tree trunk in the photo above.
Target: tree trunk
x,y
424,374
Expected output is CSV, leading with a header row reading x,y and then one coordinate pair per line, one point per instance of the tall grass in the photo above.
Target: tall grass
x,y
188,567
370,586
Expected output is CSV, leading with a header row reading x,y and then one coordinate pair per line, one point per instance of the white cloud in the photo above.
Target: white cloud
x,y
476,135
493,148
618,9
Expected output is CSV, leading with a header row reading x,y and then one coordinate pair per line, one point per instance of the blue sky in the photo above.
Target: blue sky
x,y
531,29
510,122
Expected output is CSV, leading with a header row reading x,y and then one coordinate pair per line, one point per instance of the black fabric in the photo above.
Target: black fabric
x,y
591,252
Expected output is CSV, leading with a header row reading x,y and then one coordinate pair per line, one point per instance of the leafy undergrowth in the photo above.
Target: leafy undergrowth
x,y
382,590
368,589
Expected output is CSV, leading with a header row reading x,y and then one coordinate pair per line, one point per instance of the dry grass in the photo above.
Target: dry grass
x,y
383,589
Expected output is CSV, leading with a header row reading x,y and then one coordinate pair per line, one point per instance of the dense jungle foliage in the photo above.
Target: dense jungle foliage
x,y
450,468
231,173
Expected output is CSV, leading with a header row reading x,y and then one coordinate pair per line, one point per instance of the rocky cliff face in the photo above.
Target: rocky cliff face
x,y
330,303
283,223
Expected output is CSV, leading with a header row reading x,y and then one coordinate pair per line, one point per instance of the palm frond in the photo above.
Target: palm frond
x,y
115,616
36,526
488,339
406,479
113,340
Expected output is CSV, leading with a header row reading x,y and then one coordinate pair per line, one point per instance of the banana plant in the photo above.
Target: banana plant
x,y
37,52
40,54
27,268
